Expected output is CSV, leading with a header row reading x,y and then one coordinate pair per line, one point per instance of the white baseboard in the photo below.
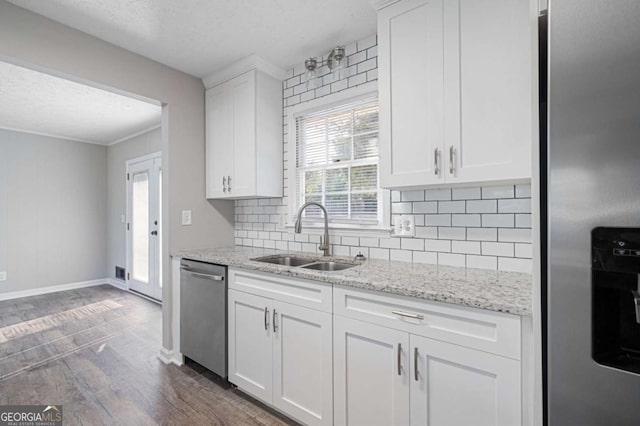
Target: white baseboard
x,y
52,289
170,357
117,283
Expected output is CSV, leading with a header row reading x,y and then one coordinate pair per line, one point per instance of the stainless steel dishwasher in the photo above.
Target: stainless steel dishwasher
x,y
203,314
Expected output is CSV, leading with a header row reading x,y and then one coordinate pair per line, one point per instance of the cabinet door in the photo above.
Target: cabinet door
x,y
243,93
410,37
452,385
371,374
219,140
250,351
303,363
488,89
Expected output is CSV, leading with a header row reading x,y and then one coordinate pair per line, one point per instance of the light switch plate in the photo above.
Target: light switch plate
x,y
3,276
186,217
404,226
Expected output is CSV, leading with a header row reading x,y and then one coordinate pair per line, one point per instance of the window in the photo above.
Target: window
x,y
337,156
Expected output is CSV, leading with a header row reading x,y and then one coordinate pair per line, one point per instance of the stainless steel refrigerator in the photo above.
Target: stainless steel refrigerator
x,y
590,206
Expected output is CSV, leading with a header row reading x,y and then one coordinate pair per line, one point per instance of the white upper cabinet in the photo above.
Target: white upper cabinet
x,y
457,91
244,135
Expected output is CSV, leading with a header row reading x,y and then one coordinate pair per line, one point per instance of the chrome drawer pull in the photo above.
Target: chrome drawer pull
x,y
399,359
275,317
408,315
266,319
415,364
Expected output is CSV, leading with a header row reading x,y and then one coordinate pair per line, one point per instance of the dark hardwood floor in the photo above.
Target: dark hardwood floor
x,y
94,351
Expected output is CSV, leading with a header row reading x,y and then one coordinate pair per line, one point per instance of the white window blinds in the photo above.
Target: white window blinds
x,y
337,162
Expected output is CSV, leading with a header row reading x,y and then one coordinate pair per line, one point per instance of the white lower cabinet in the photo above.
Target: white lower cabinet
x,y
371,374
452,385
328,355
281,354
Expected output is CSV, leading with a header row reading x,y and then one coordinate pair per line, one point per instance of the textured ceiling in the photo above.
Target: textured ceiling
x,y
34,102
202,36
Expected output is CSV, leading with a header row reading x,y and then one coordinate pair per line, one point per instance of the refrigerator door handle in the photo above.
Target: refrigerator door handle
x,y
636,301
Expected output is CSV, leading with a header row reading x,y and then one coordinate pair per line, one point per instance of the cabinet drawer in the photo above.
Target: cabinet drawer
x,y
493,332
310,294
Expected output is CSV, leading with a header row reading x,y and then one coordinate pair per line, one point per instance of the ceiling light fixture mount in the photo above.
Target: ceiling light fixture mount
x,y
334,61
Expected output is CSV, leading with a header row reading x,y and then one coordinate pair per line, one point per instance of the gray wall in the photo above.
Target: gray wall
x,y
53,211
30,39
147,143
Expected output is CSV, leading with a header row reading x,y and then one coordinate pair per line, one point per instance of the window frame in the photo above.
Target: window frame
x,y
363,91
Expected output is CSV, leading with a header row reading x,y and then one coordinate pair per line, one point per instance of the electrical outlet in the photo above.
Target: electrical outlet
x,y
3,276
404,226
186,217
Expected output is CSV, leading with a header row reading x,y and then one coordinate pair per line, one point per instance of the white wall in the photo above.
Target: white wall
x,y
53,199
117,156
30,39
481,227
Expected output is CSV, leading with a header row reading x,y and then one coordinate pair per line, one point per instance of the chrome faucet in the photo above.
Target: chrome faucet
x,y
325,246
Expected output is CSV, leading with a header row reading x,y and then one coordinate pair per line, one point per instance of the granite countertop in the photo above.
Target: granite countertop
x,y
499,291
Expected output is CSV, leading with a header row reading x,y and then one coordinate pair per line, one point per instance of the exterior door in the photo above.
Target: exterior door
x,y
452,385
371,374
303,363
250,351
144,250
411,58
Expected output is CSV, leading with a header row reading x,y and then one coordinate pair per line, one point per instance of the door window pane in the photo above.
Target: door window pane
x,y
140,227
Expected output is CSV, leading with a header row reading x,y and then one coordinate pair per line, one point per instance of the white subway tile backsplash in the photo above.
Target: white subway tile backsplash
x,y
451,259
482,234
465,194
520,205
523,221
412,244
523,250
523,191
514,264
425,257
482,262
497,249
498,192
469,220
451,207
379,253
437,194
481,206
402,255
498,220
514,235
437,220
449,233
425,207
495,220
465,247
411,195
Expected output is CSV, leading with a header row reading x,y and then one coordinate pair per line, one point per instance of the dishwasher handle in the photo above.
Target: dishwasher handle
x,y
205,276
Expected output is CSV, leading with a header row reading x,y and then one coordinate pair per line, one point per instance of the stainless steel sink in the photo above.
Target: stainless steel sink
x,y
328,266
284,260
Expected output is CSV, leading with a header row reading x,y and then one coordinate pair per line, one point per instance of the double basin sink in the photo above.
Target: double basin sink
x,y
305,263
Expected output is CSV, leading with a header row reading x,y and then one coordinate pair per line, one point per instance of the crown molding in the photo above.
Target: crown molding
x,y
243,65
381,4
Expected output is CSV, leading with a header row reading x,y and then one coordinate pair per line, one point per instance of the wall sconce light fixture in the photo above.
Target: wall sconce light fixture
x,y
334,61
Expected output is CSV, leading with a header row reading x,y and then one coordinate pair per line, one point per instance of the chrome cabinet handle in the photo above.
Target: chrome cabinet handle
x,y
408,315
275,326
266,319
436,162
224,184
229,183
415,364
399,359
451,164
